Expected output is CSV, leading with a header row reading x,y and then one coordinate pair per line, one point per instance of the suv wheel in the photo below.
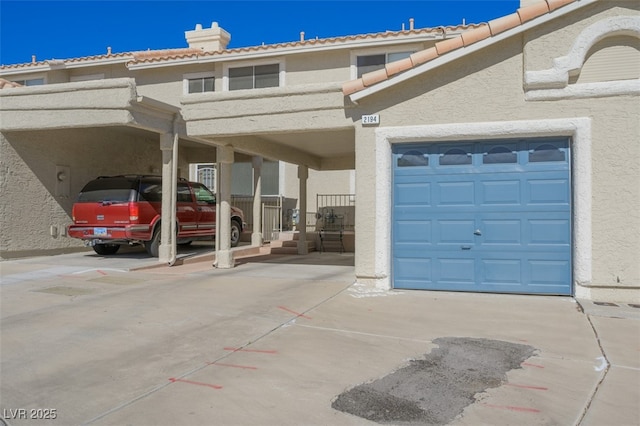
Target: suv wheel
x,y
235,233
153,246
106,249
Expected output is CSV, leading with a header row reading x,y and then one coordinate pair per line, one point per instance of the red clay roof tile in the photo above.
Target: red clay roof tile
x,y
397,67
448,45
373,77
555,4
533,11
470,37
503,24
352,86
423,56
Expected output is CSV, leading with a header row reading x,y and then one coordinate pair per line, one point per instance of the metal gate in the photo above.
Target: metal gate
x,y
492,216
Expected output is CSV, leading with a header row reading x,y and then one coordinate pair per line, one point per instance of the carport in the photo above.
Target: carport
x,y
79,128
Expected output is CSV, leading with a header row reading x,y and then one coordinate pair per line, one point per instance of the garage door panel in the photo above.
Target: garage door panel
x,y
456,193
549,191
452,231
548,272
501,231
502,272
487,217
500,192
411,194
413,231
549,232
456,271
416,270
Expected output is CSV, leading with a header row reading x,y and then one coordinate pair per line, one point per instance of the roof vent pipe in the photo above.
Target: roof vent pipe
x,y
33,59
109,50
411,21
301,35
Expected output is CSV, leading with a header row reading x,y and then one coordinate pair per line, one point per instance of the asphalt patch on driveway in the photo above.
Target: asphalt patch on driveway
x,y
436,389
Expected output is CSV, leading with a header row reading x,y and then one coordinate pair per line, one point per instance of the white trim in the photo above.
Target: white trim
x,y
463,51
578,129
226,66
586,90
565,66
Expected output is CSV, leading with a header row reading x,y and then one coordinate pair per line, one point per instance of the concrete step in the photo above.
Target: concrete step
x,y
289,247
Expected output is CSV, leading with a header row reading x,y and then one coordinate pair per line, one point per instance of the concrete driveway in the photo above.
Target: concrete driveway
x,y
277,339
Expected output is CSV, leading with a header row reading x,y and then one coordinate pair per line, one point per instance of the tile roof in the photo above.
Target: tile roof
x,y
150,56
481,32
319,42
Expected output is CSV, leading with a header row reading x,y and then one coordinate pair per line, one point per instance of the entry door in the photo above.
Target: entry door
x,y
492,216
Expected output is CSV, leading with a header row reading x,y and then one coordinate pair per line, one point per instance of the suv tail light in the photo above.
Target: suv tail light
x,y
133,212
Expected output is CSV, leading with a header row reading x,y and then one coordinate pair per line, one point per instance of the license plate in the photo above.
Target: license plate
x,y
99,232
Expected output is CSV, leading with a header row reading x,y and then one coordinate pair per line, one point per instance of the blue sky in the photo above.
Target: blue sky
x,y
69,29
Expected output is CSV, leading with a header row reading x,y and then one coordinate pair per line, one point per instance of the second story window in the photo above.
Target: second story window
x,y
369,63
201,85
254,77
30,82
198,82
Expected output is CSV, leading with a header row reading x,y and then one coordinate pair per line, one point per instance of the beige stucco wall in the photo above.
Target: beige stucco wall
x,y
487,86
32,202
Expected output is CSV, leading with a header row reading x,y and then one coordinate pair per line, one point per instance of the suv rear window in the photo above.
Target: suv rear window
x,y
109,189
151,191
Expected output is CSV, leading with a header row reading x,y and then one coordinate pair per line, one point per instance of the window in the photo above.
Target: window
x,y
546,152
413,159
254,77
455,157
499,155
30,82
198,82
184,193
371,63
203,195
206,174
86,77
201,85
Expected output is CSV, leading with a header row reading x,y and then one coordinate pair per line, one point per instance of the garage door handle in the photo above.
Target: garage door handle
x,y
466,247
477,232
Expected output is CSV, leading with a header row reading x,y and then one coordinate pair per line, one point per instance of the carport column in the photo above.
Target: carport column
x,y
167,243
303,175
256,236
224,256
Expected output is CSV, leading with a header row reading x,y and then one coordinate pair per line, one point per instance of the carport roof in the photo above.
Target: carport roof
x,y
445,50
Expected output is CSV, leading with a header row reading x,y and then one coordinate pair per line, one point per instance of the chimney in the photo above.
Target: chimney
x,y
212,39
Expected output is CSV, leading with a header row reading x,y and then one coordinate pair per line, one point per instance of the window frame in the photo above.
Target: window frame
x,y
22,80
194,76
378,51
85,77
273,61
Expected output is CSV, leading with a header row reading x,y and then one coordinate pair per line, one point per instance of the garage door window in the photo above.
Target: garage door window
x,y
546,152
455,157
500,155
413,159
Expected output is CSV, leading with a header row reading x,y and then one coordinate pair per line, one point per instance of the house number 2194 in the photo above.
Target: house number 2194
x,y
371,119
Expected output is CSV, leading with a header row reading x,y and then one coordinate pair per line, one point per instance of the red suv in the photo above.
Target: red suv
x,y
115,210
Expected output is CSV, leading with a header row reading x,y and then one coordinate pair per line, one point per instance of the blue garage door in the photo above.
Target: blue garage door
x,y
491,216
